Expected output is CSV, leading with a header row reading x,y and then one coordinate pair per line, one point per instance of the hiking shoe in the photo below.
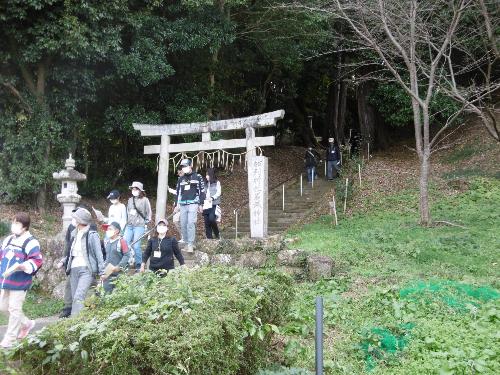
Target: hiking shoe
x,y
6,344
25,330
190,248
65,313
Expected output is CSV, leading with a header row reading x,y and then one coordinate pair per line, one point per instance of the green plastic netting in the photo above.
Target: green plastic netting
x,y
383,344
454,294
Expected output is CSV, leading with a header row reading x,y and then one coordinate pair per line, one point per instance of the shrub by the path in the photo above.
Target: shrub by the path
x,y
201,321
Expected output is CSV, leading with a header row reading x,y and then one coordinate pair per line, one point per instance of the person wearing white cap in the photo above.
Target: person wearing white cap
x,y
139,215
190,198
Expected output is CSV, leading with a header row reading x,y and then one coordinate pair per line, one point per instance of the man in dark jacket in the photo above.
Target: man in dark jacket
x,y
332,159
311,161
190,198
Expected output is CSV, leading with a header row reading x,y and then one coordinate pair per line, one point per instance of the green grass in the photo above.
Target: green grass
x,y
372,326
38,305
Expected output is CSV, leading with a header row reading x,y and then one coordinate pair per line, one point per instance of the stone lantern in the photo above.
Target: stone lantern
x,y
69,190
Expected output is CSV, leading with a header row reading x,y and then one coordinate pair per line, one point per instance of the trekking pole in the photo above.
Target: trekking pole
x,y
147,233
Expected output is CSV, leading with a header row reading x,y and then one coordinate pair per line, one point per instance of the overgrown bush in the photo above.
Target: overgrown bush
x,y
200,321
284,371
4,229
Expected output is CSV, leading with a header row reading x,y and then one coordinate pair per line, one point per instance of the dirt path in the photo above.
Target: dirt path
x,y
40,323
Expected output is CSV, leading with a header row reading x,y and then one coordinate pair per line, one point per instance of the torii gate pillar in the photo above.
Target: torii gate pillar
x,y
162,188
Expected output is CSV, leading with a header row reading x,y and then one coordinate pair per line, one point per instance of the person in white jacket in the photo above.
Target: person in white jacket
x,y
117,211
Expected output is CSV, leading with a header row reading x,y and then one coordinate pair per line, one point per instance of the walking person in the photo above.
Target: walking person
x,y
161,249
84,260
212,200
68,299
117,211
311,162
139,215
190,197
20,258
332,159
117,256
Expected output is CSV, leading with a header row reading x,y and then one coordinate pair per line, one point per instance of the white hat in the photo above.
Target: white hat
x,y
185,163
138,185
330,139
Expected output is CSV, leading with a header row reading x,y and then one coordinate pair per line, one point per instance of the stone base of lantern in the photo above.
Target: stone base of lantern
x,y
69,204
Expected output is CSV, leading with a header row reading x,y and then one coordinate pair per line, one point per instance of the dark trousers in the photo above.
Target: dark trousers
x,y
211,223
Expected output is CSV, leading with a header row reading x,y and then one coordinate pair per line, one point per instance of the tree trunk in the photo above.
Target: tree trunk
x,y
342,111
329,129
366,116
41,199
425,215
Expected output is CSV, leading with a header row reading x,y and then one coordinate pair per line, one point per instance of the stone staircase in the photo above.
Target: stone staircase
x,y
297,207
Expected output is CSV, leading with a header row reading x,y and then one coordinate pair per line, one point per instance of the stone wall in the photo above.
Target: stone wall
x,y
245,252
51,279
260,253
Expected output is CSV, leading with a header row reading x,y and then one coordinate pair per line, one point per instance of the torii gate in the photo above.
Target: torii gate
x,y
256,165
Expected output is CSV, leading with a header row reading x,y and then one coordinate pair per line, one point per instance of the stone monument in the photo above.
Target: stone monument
x,y
69,196
257,190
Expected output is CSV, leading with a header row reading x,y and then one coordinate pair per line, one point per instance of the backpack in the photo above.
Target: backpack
x,y
23,248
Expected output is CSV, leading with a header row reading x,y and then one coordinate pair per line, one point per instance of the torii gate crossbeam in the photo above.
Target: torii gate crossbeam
x,y
258,201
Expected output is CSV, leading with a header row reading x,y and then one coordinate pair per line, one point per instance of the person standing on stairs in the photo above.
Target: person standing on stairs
x,y
117,211
139,215
212,202
332,159
311,161
190,198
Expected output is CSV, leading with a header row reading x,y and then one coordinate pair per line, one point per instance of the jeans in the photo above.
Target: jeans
x,y
311,171
68,299
81,280
211,223
331,169
189,213
11,301
131,234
